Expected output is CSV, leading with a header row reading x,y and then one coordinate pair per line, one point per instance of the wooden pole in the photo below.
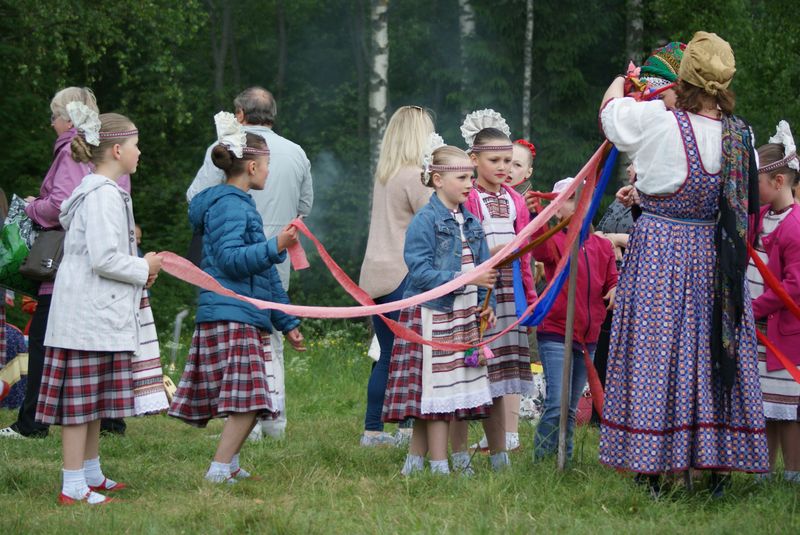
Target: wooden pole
x,y
566,377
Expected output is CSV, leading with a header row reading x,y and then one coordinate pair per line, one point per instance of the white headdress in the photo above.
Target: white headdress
x,y
85,120
230,133
783,136
478,120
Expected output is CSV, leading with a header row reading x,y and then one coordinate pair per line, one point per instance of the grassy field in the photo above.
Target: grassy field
x,y
318,480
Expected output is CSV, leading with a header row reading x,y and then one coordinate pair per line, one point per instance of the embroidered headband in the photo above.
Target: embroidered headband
x,y
486,148
115,135
451,168
783,136
253,150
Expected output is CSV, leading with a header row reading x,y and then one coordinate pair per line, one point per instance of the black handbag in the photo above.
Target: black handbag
x,y
45,256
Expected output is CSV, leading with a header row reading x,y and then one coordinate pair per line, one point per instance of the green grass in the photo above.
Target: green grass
x,y
319,480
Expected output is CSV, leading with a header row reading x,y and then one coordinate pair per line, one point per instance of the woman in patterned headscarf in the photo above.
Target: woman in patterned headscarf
x,y
682,389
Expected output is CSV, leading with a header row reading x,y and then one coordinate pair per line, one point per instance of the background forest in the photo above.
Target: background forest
x,y
171,65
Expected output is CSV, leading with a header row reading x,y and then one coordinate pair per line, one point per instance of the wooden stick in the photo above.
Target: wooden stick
x,y
566,371
535,243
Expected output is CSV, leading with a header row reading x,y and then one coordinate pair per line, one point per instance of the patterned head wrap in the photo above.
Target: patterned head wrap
x,y
664,63
708,63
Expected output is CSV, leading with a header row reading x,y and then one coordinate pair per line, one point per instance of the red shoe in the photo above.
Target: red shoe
x,y
63,499
102,487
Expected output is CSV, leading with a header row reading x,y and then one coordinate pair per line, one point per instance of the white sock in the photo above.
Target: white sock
x,y
440,467
74,486
219,473
414,463
512,441
462,462
94,475
237,471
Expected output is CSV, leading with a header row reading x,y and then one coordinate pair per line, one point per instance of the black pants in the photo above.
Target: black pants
x,y
26,424
601,357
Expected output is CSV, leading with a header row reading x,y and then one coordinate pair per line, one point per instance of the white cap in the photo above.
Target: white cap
x,y
561,185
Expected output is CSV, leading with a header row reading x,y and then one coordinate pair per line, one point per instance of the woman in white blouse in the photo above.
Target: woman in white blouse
x,y
682,389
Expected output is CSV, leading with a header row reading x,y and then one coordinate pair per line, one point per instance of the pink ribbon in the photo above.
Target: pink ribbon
x,y
184,270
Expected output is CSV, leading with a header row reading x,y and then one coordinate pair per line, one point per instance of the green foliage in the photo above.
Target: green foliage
x,y
154,61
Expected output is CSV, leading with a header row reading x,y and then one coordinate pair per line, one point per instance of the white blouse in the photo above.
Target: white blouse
x,y
650,135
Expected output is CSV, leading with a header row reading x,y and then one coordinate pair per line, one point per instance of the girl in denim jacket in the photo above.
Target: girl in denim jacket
x,y
436,387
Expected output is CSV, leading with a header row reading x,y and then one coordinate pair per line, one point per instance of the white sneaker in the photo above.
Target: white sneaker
x,y
512,441
255,434
7,432
402,436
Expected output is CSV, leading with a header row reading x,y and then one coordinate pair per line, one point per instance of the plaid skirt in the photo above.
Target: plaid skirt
x,y
82,386
229,370
403,398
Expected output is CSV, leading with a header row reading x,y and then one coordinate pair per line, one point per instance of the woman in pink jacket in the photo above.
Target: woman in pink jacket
x,y
778,244
61,179
594,296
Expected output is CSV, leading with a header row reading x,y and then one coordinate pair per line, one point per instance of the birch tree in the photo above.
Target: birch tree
x,y
634,32
527,75
466,26
378,80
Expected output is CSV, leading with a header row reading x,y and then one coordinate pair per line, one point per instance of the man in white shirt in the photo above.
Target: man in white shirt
x,y
288,193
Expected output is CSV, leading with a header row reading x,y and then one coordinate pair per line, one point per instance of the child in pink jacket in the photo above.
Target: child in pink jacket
x,y
778,244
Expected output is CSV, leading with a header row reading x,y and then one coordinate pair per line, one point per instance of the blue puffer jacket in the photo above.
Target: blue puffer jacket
x,y
239,256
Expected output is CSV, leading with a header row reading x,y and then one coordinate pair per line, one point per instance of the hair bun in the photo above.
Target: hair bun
x,y
222,157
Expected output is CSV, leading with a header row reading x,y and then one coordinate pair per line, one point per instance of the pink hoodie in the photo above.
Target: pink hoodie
x,y
64,175
783,260
523,218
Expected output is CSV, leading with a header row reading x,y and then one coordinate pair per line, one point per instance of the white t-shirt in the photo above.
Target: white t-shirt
x,y
650,135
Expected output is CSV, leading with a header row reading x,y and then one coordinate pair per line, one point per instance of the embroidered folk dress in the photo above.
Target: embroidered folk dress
x,y
432,384
510,369
664,407
781,392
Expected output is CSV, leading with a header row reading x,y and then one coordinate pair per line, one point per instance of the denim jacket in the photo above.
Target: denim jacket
x,y
433,252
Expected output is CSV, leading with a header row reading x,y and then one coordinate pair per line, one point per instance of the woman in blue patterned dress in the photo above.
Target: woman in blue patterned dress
x,y
682,389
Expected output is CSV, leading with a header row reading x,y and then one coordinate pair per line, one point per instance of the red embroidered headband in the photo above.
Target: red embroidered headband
x,y
451,168
252,150
117,135
485,148
784,162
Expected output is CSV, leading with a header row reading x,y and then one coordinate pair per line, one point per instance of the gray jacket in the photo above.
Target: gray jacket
x,y
288,192
99,283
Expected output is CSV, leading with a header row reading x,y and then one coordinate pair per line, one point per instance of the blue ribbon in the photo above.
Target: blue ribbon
x,y
546,303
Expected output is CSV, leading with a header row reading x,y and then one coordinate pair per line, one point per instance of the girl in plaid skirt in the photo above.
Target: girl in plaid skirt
x,y
229,370
93,324
432,386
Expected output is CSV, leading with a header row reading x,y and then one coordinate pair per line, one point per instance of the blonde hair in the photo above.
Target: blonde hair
x,y
72,94
444,155
109,122
403,142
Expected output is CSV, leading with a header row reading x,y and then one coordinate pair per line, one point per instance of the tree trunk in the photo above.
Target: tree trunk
x,y
378,79
280,78
634,34
360,57
466,27
220,38
527,76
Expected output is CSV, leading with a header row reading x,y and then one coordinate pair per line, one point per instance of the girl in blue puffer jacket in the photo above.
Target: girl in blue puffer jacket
x,y
228,371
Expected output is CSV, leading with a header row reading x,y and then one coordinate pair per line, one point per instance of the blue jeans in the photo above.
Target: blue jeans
x,y
545,441
376,388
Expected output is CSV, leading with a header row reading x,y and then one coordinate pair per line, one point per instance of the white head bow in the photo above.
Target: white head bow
x,y
85,120
480,119
230,133
783,135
